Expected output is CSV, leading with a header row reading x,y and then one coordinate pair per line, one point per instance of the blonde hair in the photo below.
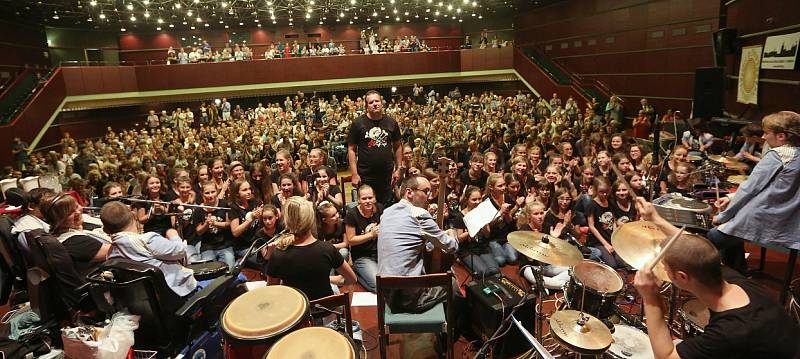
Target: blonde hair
x,y
528,209
300,220
787,122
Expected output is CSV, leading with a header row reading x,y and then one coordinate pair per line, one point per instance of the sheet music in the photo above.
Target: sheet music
x,y
480,216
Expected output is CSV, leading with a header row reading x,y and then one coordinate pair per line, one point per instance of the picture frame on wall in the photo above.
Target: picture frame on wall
x,y
780,52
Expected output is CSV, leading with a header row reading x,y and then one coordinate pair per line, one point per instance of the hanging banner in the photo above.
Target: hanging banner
x,y
748,75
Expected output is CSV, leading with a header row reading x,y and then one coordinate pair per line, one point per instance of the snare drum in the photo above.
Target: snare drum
x,y
208,270
602,285
695,316
314,342
629,342
257,319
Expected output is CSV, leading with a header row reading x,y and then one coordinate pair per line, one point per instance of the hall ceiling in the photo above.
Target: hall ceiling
x,y
156,15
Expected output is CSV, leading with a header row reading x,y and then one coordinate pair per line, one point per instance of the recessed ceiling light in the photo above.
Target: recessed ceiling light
x,y
89,20
224,4
102,16
170,25
192,27
93,3
130,6
146,15
146,2
178,5
122,29
196,1
133,18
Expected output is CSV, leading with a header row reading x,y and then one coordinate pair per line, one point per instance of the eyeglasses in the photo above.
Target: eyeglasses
x,y
426,191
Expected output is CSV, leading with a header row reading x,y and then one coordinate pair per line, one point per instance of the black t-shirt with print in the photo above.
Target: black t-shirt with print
x,y
623,216
355,219
374,140
603,221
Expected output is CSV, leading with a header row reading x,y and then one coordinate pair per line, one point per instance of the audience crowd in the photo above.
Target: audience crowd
x,y
544,163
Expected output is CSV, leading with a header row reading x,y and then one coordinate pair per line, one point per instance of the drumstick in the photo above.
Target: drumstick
x,y
664,249
716,187
624,181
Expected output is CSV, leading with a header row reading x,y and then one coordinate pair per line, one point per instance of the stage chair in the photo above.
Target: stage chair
x,y
435,320
333,302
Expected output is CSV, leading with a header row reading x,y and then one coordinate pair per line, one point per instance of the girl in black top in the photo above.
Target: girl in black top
x,y
65,217
152,214
622,206
322,189
299,260
331,228
679,180
679,153
213,228
473,251
244,215
287,187
601,223
361,235
261,180
184,223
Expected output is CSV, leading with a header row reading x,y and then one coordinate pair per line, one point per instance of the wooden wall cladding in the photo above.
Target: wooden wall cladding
x,y
638,48
752,17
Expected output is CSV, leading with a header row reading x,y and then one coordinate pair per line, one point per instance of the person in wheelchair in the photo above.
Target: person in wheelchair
x,y
150,248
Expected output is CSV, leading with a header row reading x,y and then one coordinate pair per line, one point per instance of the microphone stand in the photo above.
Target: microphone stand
x,y
660,171
238,267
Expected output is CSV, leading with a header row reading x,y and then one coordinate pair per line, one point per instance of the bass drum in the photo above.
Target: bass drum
x,y
254,321
601,284
327,343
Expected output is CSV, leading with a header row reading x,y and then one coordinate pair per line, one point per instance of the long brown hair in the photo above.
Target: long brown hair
x,y
57,211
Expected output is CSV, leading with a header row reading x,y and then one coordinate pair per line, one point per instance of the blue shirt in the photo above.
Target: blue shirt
x,y
766,207
405,231
153,249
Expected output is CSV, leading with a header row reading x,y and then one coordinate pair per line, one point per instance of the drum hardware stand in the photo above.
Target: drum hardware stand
x,y
539,305
660,171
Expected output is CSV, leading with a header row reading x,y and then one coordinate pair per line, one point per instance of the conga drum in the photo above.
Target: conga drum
x,y
255,320
314,342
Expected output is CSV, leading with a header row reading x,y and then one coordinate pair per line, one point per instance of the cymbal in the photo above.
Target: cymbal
x,y
638,243
690,158
723,159
545,248
666,136
590,338
741,166
737,179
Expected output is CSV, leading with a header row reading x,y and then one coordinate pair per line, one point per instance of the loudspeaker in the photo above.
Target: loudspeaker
x,y
709,86
724,41
489,299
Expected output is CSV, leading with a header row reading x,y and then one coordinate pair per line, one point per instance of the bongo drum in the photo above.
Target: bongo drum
x,y
255,320
327,343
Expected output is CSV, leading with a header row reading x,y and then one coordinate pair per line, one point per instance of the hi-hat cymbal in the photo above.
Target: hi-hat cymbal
x,y
638,243
591,337
545,248
737,179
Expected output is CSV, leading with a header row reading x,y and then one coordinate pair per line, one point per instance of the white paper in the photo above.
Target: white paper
x,y
364,299
480,216
255,284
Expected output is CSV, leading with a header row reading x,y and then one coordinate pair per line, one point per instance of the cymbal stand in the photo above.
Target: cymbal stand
x,y
539,305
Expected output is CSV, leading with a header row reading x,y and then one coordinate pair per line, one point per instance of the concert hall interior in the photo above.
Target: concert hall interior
x,y
399,179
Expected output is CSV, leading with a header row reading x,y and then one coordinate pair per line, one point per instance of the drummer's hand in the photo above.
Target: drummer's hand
x,y
722,203
647,284
646,209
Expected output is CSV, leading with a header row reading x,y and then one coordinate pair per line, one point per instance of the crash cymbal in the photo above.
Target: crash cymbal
x,y
587,335
545,248
666,136
738,166
737,179
723,159
638,243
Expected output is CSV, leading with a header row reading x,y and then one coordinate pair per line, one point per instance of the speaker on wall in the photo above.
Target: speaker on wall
x,y
724,43
709,87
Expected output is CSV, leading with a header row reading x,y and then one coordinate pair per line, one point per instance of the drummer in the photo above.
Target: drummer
x,y
697,138
745,322
150,248
773,184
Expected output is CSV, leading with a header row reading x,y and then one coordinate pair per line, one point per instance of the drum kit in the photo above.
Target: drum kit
x,y
583,324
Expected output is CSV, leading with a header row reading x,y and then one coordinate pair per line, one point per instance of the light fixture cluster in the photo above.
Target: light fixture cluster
x,y
169,14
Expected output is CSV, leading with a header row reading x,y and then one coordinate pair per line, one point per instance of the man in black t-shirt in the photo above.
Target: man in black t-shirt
x,y
373,149
745,321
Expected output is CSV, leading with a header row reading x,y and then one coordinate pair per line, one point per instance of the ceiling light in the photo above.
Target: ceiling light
x,y
269,3
226,26
160,21
146,15
93,3
192,27
450,7
223,4
130,6
185,23
341,14
122,29
189,13
146,2
241,24
480,16
474,3
355,17
374,14
458,10
272,17
406,13
89,20
460,20
199,19
407,20
380,21
274,22
310,10
308,16
427,10
386,17
158,28
473,14
397,19
368,19
312,2
133,18
178,5
221,22
55,15
394,11
416,16
196,1
436,13
351,22
170,25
